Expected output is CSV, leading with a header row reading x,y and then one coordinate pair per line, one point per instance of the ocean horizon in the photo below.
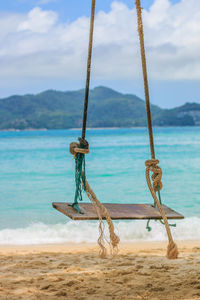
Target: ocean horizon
x,y
37,169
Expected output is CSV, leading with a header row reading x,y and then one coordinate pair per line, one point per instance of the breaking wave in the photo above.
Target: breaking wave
x,y
87,232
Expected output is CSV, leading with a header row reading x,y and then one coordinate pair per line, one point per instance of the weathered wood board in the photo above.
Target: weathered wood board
x,y
117,211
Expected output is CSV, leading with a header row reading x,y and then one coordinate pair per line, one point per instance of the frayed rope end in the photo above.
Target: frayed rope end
x,y
172,251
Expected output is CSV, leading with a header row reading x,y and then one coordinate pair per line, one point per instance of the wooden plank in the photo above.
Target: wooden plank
x,y
117,211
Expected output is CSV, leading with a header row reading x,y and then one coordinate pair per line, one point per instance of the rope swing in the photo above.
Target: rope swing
x,y
152,165
78,150
153,171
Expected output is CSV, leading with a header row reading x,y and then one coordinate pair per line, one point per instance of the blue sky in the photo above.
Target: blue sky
x,y
67,9
43,45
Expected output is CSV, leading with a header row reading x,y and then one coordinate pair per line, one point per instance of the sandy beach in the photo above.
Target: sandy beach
x,y
139,271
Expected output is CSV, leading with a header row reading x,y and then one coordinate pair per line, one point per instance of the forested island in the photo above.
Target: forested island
x,y
107,108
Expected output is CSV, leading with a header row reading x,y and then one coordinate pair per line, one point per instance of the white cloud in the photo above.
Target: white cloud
x,y
37,46
38,21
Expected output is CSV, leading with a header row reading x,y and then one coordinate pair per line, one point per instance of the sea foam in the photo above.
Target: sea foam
x,y
83,232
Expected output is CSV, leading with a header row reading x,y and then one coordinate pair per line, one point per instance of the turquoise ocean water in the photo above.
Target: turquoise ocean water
x,y
37,169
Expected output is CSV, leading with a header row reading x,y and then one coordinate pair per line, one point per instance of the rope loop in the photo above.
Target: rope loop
x,y
152,165
81,147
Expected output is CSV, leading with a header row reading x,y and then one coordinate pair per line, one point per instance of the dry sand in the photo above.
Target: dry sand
x,y
139,271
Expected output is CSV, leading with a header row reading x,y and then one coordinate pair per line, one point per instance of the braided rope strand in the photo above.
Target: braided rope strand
x,y
91,195
145,77
151,165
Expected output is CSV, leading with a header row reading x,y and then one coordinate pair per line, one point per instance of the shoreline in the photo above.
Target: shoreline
x,y
64,247
92,128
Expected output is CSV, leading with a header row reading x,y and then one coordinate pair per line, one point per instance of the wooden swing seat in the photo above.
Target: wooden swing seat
x,y
116,211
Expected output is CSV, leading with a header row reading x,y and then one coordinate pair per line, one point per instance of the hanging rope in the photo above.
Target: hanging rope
x,y
100,208
102,211
87,85
144,68
152,165
78,150
79,155
148,227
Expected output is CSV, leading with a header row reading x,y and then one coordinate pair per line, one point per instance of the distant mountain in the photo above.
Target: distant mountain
x,y
107,108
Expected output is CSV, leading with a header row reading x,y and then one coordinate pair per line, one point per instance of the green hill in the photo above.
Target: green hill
x,y
107,108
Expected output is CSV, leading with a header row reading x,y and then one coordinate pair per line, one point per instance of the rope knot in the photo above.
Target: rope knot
x,y
81,147
152,165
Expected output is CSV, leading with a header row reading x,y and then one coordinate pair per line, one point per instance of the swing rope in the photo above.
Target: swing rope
x,y
78,150
87,85
152,164
148,227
